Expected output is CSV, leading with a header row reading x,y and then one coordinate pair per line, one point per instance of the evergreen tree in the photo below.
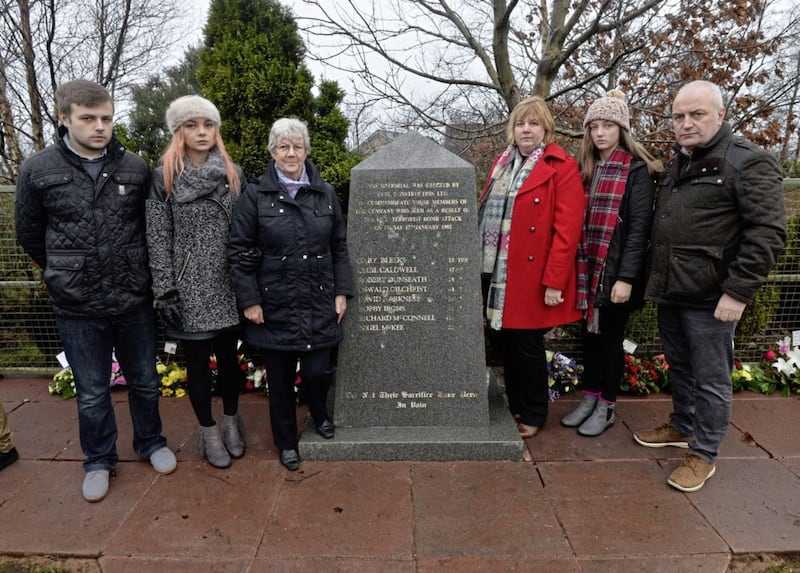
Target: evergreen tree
x,y
329,127
148,131
251,67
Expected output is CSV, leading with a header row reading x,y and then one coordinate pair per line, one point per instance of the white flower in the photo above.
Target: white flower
x,y
785,367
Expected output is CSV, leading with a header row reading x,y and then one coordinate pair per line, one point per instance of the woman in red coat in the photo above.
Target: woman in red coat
x,y
531,212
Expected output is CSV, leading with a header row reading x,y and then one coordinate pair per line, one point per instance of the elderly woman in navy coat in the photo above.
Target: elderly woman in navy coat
x,y
292,277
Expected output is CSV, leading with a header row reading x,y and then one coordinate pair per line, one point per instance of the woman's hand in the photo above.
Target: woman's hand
x,y
552,297
620,292
341,305
254,314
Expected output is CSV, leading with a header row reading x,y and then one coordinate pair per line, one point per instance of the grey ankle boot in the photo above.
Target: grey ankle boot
x,y
212,448
579,415
601,419
233,434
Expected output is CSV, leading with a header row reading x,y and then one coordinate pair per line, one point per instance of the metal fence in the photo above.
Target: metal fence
x,y
29,340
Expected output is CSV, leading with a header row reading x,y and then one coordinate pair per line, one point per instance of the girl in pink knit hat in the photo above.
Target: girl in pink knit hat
x,y
619,182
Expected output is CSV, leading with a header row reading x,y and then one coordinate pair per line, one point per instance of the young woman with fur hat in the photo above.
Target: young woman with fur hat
x,y
188,219
618,176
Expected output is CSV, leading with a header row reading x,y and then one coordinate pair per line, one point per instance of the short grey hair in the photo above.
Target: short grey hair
x,y
716,91
289,128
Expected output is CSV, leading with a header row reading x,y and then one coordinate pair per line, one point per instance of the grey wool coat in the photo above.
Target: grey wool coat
x,y
187,233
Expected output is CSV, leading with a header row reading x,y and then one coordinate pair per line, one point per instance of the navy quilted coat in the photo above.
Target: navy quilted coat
x,y
304,262
89,238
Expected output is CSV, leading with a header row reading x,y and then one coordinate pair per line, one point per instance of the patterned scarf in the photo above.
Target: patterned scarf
x,y
604,196
196,182
511,170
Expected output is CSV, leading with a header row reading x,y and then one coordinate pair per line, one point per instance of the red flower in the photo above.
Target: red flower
x,y
243,367
249,385
770,355
212,364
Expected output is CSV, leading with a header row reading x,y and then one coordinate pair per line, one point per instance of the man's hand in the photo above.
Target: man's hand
x,y
729,309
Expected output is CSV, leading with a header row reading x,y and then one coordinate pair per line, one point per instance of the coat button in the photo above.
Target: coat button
x,y
305,257
674,189
308,346
280,210
537,200
533,229
530,257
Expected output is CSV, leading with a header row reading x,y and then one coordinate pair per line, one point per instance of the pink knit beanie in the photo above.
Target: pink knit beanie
x,y
610,107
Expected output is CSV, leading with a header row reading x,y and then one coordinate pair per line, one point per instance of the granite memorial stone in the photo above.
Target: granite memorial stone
x,y
412,380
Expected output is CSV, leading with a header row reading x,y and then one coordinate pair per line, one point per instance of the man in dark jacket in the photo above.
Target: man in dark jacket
x,y
80,216
719,226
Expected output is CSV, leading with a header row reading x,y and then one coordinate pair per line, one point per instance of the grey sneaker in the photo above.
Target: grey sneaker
x,y
163,460
95,485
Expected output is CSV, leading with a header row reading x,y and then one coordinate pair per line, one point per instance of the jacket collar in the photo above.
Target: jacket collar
x,y
113,149
724,133
268,182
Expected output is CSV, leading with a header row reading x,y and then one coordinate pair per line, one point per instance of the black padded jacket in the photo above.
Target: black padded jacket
x,y
89,238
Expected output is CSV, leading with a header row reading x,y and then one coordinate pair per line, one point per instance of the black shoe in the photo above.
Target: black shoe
x,y
326,429
8,458
290,460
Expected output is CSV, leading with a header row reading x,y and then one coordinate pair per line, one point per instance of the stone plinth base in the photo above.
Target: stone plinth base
x,y
497,441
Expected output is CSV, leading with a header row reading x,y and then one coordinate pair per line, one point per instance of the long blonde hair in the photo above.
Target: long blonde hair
x,y
173,164
589,154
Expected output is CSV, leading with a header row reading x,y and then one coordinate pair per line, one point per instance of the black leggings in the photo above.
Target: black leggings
x,y
603,355
229,375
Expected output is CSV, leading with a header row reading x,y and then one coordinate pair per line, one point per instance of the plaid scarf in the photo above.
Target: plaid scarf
x,y
604,196
511,170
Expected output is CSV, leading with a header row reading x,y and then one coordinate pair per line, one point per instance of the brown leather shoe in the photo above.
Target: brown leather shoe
x,y
526,431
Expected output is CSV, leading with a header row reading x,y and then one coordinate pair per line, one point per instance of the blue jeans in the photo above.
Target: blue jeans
x,y
88,345
699,350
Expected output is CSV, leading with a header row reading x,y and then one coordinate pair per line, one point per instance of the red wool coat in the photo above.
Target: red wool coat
x,y
545,231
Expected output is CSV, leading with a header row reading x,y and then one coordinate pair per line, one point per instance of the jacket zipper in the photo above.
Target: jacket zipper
x,y
183,268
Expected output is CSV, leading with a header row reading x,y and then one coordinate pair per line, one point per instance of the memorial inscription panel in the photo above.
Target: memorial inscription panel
x,y
413,352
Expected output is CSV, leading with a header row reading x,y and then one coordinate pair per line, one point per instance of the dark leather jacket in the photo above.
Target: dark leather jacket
x,y
720,223
304,262
627,251
89,238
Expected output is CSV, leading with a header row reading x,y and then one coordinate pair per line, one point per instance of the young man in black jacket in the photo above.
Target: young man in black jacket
x,y
80,216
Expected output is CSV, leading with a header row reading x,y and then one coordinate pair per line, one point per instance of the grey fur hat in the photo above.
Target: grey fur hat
x,y
190,107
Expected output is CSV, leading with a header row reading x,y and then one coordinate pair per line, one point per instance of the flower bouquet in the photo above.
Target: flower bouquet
x,y
172,379
564,374
63,384
642,376
778,370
